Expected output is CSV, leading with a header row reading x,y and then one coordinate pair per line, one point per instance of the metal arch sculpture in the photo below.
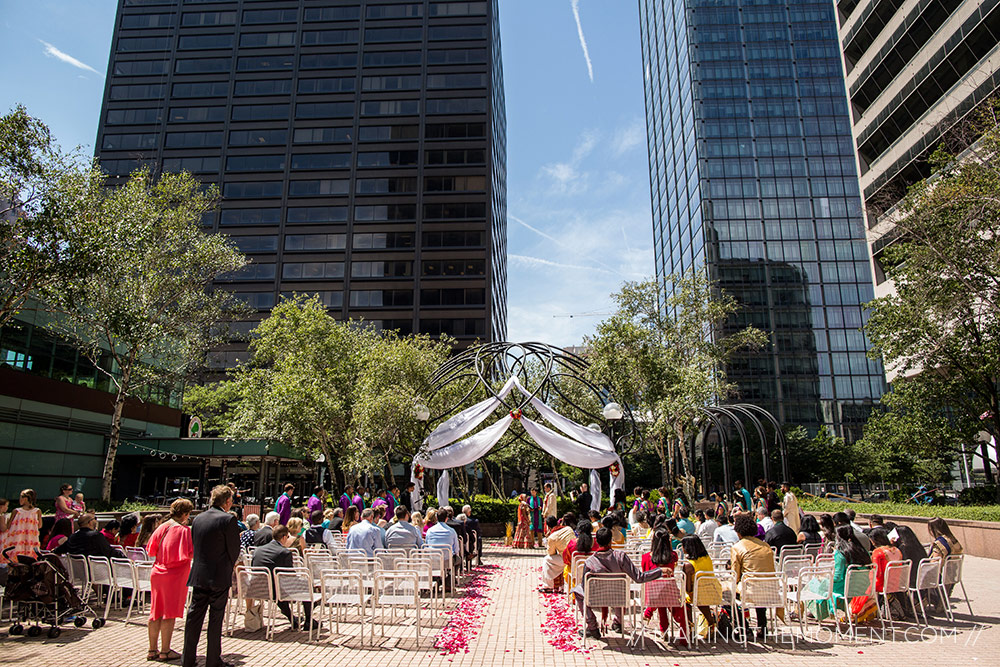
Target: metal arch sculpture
x,y
736,413
486,365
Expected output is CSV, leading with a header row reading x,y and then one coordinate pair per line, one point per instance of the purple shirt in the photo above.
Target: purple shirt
x,y
314,504
345,502
284,508
358,502
391,509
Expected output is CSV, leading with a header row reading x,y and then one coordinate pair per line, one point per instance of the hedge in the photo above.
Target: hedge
x,y
497,510
976,513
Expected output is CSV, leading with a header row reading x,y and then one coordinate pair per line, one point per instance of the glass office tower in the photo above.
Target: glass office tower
x,y
359,146
754,179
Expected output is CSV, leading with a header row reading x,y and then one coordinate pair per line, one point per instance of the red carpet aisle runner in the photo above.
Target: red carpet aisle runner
x,y
466,620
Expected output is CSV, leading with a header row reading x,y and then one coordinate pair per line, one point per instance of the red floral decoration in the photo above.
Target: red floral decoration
x,y
466,620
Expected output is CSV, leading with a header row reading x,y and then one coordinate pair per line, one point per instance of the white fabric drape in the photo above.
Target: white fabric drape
x,y
583,434
443,488
595,490
416,496
466,420
617,482
565,449
466,451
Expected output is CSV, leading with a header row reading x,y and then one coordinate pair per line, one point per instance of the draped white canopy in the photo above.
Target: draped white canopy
x,y
576,445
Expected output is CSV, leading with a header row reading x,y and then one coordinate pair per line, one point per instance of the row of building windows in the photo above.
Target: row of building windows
x,y
360,241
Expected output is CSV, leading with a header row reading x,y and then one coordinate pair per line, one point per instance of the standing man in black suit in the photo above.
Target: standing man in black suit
x,y
215,537
583,501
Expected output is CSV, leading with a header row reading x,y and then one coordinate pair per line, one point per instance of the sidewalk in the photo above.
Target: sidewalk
x,y
507,622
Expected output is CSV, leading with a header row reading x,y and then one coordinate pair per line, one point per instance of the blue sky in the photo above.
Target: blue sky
x,y
577,174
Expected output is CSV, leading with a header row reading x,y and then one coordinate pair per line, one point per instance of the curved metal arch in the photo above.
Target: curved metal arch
x,y
779,436
759,427
743,437
490,363
724,442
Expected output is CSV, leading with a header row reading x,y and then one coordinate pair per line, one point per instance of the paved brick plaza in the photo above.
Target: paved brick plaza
x,y
511,635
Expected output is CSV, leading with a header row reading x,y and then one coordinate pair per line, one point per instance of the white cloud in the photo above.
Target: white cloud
x,y
567,176
539,261
54,52
583,40
628,137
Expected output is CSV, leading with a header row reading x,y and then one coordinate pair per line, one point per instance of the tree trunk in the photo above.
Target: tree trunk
x,y
116,432
661,453
390,479
685,464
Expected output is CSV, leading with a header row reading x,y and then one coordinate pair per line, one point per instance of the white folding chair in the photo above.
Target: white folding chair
x,y
607,590
425,579
813,550
857,584
814,584
341,591
707,591
396,590
79,573
142,572
767,590
255,585
790,551
928,578
386,560
664,592
790,568
124,577
895,580
318,561
345,555
446,554
295,586
576,574
101,575
951,576
137,554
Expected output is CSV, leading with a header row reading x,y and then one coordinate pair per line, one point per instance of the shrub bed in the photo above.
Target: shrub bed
x,y
970,513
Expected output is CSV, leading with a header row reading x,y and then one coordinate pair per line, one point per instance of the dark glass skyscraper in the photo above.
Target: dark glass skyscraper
x,y
360,147
754,179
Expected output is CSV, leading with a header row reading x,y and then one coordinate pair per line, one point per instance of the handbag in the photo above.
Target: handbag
x,y
253,620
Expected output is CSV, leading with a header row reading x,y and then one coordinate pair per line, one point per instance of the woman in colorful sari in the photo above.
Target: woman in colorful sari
x,y
662,556
522,535
849,551
680,503
537,521
582,544
697,560
883,554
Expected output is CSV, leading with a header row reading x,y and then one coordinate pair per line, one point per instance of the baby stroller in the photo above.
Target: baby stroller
x,y
43,594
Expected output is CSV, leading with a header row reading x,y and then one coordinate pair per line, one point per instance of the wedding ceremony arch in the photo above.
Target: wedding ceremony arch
x,y
516,377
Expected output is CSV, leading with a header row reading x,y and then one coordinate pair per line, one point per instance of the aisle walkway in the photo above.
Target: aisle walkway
x,y
509,633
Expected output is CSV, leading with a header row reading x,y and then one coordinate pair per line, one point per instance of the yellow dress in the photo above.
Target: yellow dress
x,y
703,564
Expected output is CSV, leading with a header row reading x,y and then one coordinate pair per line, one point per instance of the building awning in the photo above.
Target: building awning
x,y
208,448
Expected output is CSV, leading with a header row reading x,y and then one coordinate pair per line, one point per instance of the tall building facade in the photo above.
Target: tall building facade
x,y
754,180
359,146
914,70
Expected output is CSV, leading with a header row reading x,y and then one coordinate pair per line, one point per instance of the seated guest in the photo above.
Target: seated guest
x,y
110,531
595,520
764,521
809,532
459,528
429,520
844,519
662,557
264,534
911,548
848,551
608,560
553,565
684,522
583,543
707,527
883,554
725,533
751,555
316,533
612,523
127,534
277,553
365,535
828,533
874,521
440,533
780,535
417,519
696,560
642,523
61,530
945,543
403,534
86,541
246,537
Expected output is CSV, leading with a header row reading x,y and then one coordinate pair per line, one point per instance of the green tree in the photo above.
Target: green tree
x,y
663,353
915,436
148,305
944,319
46,198
321,386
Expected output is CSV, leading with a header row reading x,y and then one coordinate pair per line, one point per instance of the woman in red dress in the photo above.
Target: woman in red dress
x,y
523,539
171,546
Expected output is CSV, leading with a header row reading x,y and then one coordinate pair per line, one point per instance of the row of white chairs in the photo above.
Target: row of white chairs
x,y
108,578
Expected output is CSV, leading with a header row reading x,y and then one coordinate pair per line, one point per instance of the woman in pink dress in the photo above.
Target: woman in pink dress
x,y
171,546
21,536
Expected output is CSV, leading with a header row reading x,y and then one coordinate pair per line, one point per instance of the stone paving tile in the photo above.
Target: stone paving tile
x,y
511,636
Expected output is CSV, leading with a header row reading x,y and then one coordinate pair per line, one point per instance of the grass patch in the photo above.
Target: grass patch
x,y
971,513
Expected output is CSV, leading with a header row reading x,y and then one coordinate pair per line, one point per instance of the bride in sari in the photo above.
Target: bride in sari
x,y
523,539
